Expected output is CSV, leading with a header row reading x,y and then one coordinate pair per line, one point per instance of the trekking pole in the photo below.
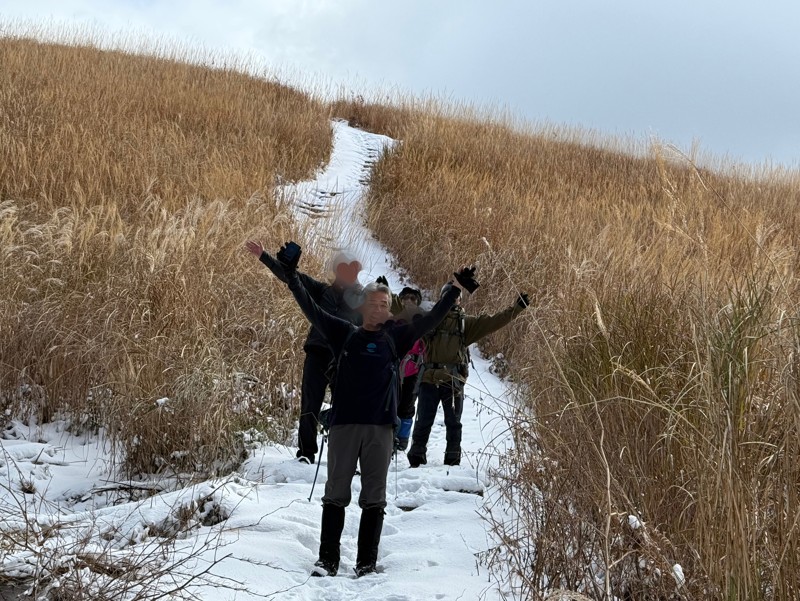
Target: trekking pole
x,y
395,475
319,461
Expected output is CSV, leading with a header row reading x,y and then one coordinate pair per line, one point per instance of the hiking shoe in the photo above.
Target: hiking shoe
x,y
416,460
364,569
452,461
306,460
324,568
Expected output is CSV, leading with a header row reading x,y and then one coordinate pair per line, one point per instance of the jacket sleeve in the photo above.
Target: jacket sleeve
x,y
408,334
333,329
477,327
314,287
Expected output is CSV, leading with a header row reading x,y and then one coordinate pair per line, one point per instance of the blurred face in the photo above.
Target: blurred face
x,y
375,310
409,301
347,273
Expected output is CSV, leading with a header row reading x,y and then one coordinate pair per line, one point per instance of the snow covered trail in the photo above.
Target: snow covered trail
x,y
260,520
330,208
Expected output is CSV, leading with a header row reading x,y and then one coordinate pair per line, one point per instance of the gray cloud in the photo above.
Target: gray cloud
x,y
723,73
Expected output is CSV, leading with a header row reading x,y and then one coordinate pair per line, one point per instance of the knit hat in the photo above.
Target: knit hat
x,y
408,291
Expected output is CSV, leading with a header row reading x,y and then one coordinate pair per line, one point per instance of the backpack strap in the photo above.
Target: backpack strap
x,y
393,392
392,346
347,340
333,368
462,330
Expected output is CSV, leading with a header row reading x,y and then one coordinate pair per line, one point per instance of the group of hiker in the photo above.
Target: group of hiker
x,y
389,365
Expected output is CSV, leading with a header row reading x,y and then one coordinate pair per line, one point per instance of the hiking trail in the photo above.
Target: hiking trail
x,y
260,519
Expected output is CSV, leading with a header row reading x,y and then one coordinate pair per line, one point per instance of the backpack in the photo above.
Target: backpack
x,y
447,349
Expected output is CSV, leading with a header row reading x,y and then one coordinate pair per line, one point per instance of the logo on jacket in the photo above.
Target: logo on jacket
x,y
372,347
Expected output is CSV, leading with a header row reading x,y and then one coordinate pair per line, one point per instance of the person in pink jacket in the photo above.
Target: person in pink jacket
x,y
409,368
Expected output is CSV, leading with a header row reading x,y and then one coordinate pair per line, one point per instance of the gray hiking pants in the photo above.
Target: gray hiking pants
x,y
349,444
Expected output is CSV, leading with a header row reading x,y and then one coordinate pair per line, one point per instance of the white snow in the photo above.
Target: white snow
x,y
634,522
258,524
330,210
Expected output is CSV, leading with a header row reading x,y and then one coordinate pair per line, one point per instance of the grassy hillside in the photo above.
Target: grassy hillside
x,y
659,406
658,366
127,186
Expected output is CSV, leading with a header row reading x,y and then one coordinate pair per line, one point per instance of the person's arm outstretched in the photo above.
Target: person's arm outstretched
x,y
477,327
315,287
408,334
333,329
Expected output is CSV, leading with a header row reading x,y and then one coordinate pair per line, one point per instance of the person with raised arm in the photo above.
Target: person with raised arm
x,y
365,390
340,298
444,369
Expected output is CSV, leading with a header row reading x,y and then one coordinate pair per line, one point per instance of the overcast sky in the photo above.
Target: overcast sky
x,y
724,73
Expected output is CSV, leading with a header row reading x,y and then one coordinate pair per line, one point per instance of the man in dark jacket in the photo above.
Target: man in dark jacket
x,y
339,298
364,408
444,372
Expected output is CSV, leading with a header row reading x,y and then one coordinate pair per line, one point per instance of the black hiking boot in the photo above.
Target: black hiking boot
x,y
307,458
324,567
452,457
369,537
363,570
332,526
416,460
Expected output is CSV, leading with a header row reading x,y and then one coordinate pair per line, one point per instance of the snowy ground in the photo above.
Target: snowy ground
x,y
256,530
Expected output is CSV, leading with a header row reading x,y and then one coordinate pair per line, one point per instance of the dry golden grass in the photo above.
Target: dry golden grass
x,y
127,187
658,369
658,365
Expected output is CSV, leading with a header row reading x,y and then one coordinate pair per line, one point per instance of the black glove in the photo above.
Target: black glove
x,y
466,278
289,256
382,280
523,301
324,420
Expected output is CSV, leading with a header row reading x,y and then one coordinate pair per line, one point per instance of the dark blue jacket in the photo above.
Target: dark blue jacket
x,y
367,369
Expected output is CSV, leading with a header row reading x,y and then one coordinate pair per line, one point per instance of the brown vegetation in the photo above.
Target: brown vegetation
x,y
127,186
658,367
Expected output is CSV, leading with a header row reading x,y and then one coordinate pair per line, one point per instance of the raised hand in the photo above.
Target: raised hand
x,y
449,285
466,278
289,256
254,247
